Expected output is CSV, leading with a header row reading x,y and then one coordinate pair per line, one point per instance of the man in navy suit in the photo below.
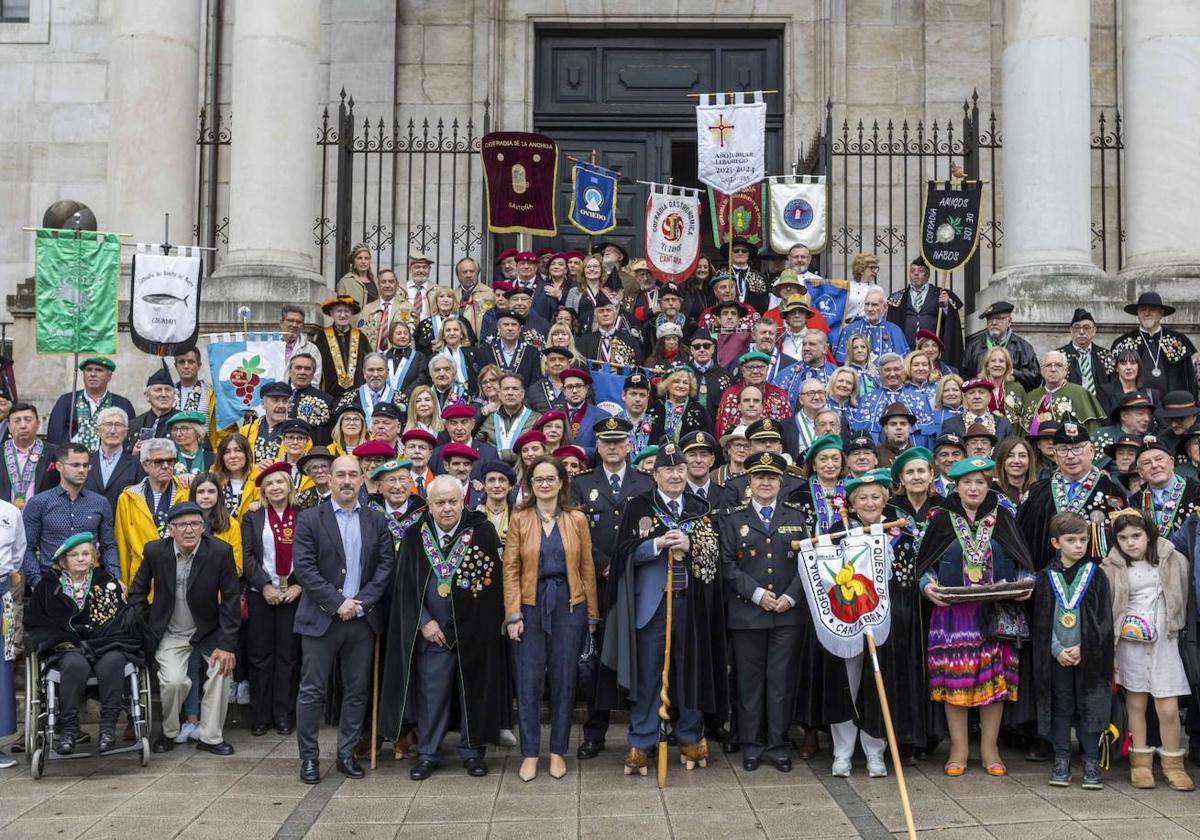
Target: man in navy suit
x,y
342,557
112,467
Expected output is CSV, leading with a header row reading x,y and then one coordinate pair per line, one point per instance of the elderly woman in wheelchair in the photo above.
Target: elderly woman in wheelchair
x,y
80,624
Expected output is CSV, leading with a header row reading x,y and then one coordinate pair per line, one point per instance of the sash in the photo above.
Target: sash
x,y
505,440
398,372
158,512
1058,487
1164,517
85,425
976,547
1070,596
445,565
344,368
368,405
21,480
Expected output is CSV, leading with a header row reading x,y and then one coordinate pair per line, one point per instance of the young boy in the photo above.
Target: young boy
x,y
1073,650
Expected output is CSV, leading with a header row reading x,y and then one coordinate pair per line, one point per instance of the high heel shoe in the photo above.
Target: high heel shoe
x,y
528,771
558,766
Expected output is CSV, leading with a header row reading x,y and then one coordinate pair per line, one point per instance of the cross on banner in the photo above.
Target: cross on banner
x,y
719,128
729,160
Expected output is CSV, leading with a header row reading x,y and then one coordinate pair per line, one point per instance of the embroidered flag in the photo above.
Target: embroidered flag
x,y
520,171
744,214
730,140
75,282
830,301
239,365
950,223
594,198
164,309
846,587
672,232
797,213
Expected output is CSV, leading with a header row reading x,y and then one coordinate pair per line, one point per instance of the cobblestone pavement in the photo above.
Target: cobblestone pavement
x,y
256,795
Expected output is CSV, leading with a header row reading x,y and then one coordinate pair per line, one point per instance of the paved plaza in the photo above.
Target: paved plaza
x,y
256,795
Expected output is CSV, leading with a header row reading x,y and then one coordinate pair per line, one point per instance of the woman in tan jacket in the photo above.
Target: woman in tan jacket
x,y
549,605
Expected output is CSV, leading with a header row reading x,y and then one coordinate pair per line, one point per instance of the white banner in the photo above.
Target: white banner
x,y
730,138
672,232
797,212
165,300
846,586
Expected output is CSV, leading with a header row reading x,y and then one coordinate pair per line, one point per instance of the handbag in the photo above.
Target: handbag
x,y
244,602
1136,628
1008,622
589,663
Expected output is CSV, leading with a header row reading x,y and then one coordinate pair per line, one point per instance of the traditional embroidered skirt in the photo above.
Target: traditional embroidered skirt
x,y
965,667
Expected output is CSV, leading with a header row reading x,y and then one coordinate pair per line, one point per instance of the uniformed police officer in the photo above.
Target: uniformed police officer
x,y
763,592
765,435
700,454
600,493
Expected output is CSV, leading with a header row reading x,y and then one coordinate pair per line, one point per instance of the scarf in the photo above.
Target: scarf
x,y
85,419
20,479
283,527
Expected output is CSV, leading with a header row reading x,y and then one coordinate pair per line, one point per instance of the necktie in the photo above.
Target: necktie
x,y
606,348
1086,377
674,508
420,480
384,323
702,492
614,481
919,299
765,515
419,303
445,541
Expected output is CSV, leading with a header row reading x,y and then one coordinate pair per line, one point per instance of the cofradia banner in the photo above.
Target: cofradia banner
x,y
594,198
743,215
830,301
950,223
164,310
672,232
75,283
239,365
797,213
730,139
846,585
520,171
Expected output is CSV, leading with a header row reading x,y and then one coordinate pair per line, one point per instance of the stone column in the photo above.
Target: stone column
x,y
274,159
155,100
1161,56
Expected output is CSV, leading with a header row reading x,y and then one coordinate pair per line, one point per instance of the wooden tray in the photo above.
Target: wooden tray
x,y
1005,591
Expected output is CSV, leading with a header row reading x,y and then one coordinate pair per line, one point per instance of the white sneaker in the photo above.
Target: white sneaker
x,y
841,767
7,761
506,738
186,730
243,693
876,767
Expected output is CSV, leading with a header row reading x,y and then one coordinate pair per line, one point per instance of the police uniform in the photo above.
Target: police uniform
x,y
757,558
597,496
737,489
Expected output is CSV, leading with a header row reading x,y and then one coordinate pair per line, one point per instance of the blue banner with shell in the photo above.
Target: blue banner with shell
x,y
593,198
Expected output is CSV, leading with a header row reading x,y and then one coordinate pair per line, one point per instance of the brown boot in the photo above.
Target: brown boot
x,y
811,746
1172,765
692,754
1141,767
635,762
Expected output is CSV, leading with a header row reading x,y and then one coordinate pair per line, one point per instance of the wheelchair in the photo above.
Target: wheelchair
x,y
41,713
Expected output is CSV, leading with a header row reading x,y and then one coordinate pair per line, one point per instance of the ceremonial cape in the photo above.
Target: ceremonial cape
x,y
1034,515
940,533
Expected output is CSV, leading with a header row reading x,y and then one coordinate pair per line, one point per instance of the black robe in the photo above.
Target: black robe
x,y
902,314
1173,351
1026,369
1094,673
695,419
54,624
478,614
1035,513
705,682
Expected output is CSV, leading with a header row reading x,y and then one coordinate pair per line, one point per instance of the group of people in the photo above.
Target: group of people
x,y
440,501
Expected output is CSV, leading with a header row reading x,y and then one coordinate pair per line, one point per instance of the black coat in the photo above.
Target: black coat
x,y
1094,673
1174,352
127,471
902,314
527,364
754,555
62,417
1103,365
477,594
695,419
44,478
1026,369
213,594
940,533
54,624
591,492
417,373
149,423
252,548
1035,513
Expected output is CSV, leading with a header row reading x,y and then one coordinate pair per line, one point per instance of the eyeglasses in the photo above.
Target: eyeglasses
x,y
812,393
1069,449
544,479
86,465
161,462
114,425
190,525
702,345
741,251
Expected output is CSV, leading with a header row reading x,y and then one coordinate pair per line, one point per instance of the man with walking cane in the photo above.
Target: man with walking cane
x,y
667,562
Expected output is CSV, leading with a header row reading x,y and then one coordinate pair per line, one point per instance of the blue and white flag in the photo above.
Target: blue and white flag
x,y
593,198
239,365
797,212
830,301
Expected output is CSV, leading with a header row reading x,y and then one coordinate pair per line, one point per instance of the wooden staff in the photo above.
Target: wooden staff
x,y
887,526
375,705
729,228
938,329
664,707
897,764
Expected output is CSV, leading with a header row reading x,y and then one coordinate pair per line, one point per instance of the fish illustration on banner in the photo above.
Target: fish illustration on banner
x,y
594,198
797,212
520,174
950,223
730,140
672,232
743,215
164,309
846,585
75,281
239,365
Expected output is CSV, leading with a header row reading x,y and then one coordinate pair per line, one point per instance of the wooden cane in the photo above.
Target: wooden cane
x,y
887,526
891,737
375,704
664,707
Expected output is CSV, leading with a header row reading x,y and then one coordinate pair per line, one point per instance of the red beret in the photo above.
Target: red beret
x,y
277,467
458,450
418,434
550,417
531,436
526,256
543,251
931,335
505,254
572,452
501,286
986,384
576,373
572,255
458,410
373,449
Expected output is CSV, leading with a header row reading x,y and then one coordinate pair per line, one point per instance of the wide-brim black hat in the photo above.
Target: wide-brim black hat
x,y
600,246
1149,299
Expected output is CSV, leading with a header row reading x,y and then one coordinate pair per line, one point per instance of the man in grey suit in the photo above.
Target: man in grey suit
x,y
342,557
762,590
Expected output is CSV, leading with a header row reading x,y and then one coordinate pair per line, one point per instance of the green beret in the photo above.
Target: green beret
x,y
75,539
186,417
103,361
970,465
881,477
647,452
914,453
390,467
822,443
754,356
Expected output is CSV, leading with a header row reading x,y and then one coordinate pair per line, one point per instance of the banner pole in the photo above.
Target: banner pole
x,y
78,219
897,764
593,161
729,230
166,243
937,288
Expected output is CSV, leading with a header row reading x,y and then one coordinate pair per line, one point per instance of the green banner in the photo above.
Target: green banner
x,y
76,286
